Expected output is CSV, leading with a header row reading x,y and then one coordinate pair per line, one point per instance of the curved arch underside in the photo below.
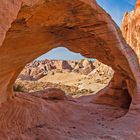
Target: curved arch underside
x,y
79,25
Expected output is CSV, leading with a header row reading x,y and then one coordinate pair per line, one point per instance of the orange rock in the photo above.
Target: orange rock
x,y
131,29
36,31
137,4
29,29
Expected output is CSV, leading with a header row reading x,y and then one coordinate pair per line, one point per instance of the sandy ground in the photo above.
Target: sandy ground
x,y
73,79
72,83
34,118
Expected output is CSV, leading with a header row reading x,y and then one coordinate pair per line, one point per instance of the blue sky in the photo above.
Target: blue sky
x,y
116,8
61,53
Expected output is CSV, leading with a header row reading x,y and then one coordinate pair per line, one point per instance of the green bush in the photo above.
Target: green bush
x,y
18,88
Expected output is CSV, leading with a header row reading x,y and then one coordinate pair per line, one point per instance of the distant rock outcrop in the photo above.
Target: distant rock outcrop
x,y
37,69
131,28
101,73
40,68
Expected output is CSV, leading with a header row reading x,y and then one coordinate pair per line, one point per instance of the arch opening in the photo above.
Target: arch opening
x,y
71,72
64,69
30,29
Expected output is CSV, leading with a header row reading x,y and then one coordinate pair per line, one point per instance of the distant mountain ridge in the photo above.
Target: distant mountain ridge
x,y
40,68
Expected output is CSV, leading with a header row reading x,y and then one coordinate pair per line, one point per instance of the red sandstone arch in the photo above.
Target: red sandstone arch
x,y
79,25
137,4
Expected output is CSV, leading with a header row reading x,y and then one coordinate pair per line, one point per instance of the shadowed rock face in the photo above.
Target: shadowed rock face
x,y
30,28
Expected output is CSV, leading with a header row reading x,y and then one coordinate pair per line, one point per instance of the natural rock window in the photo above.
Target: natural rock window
x,y
79,76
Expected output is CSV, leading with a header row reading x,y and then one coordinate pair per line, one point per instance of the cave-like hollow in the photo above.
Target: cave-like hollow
x,y
79,25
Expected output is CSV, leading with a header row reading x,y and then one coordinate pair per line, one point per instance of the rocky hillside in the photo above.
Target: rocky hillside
x,y
131,28
40,68
76,78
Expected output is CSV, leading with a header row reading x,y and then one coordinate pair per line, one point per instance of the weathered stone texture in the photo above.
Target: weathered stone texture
x,y
79,25
131,28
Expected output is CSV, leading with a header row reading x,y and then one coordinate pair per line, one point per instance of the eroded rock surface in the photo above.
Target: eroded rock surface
x,y
38,69
77,78
81,26
29,117
131,28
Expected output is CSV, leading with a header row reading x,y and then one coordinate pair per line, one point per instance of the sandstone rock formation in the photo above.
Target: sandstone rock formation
x,y
101,73
38,69
84,67
28,29
37,31
131,28
137,4
77,78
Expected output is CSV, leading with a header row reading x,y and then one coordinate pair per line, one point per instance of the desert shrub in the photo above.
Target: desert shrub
x,y
18,88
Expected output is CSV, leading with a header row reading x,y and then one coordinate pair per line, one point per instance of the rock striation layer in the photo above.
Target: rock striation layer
x,y
81,26
29,28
